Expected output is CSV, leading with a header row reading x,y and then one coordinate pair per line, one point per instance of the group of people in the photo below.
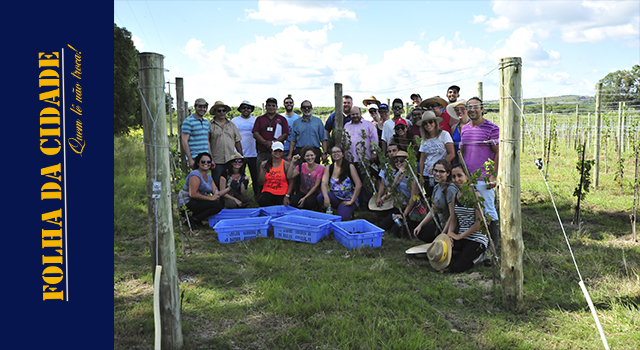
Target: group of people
x,y
288,159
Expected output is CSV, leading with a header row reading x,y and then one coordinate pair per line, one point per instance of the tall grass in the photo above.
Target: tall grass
x,y
275,294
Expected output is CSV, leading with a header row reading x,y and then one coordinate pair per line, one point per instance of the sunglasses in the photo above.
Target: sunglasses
x,y
238,161
305,107
433,105
431,121
399,160
220,110
438,171
460,109
400,127
398,107
205,162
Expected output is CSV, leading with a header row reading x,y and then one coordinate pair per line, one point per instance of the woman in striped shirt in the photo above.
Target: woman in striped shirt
x,y
468,241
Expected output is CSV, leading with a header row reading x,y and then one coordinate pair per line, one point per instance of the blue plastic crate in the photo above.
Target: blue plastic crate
x,y
234,214
235,230
357,233
300,229
277,211
317,215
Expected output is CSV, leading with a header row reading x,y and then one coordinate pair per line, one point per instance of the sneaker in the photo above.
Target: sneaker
x,y
482,257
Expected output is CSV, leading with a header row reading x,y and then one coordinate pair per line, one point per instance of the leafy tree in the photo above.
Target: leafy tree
x,y
126,100
622,86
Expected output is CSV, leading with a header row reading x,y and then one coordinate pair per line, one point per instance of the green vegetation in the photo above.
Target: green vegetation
x,y
275,294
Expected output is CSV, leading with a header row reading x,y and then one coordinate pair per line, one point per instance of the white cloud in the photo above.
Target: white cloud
x,y
311,66
479,19
586,21
137,42
296,12
522,43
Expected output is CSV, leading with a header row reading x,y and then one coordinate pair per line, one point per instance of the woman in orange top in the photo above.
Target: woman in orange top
x,y
273,177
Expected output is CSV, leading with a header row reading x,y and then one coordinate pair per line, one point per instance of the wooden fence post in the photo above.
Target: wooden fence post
x,y
578,139
339,119
545,156
480,90
511,271
182,115
154,121
596,174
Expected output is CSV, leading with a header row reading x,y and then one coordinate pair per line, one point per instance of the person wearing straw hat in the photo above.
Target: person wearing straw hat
x,y
479,143
195,132
394,181
245,126
435,144
224,139
459,118
439,253
465,225
371,104
235,179
437,104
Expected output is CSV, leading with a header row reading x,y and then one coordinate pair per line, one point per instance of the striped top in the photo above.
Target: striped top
x,y
466,218
198,131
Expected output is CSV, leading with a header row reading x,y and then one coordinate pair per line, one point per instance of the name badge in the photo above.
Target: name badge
x,y
269,128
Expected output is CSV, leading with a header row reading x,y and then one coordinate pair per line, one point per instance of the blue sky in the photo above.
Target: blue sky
x,y
251,50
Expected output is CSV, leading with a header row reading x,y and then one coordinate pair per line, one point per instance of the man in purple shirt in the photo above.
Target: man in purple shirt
x,y
479,143
360,130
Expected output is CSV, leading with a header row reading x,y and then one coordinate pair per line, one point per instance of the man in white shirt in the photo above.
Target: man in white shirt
x,y
244,123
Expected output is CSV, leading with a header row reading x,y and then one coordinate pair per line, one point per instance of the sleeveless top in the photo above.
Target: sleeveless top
x,y
466,218
236,184
342,190
275,181
308,180
206,187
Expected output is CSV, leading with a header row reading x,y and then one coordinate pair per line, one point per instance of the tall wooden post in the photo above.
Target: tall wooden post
x,y
596,175
338,125
589,133
523,134
544,128
578,139
619,131
169,110
154,123
406,110
511,272
182,115
480,90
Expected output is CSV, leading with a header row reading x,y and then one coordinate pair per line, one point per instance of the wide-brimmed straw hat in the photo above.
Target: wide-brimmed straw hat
x,y
435,99
400,154
420,251
386,204
237,155
439,252
246,103
370,100
219,104
428,115
451,109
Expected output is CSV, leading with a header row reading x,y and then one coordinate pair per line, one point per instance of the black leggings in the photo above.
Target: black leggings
x,y
468,251
268,199
311,203
203,209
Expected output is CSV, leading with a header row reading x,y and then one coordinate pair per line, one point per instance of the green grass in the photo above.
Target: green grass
x,y
275,294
